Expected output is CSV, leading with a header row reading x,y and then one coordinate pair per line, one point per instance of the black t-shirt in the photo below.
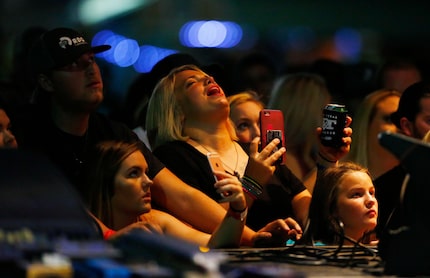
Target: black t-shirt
x,y
192,167
388,187
38,132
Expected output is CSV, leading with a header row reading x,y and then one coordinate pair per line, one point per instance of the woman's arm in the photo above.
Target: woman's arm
x,y
300,204
229,231
190,205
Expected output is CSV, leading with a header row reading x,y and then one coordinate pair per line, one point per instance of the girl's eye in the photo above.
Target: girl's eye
x,y
242,126
356,195
190,83
134,173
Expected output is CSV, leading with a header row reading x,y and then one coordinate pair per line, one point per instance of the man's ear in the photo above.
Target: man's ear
x,y
406,126
45,83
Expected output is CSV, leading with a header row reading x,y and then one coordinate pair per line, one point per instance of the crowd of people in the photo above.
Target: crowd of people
x,y
160,180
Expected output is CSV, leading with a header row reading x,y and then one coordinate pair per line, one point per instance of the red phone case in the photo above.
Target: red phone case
x,y
272,126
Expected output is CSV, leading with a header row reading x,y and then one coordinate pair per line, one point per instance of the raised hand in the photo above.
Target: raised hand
x,y
261,165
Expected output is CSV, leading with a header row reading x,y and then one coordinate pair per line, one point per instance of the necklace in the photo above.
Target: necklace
x,y
232,170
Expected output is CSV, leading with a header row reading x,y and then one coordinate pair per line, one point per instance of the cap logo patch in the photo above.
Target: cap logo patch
x,y
65,41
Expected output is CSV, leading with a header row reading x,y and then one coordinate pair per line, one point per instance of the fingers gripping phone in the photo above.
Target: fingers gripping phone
x,y
271,127
215,163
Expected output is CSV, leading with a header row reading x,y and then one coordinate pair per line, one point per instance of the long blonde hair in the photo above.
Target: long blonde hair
x,y
301,97
365,113
242,97
165,118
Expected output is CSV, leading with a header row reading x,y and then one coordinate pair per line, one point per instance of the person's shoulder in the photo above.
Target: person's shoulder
x,y
159,217
175,145
395,174
102,124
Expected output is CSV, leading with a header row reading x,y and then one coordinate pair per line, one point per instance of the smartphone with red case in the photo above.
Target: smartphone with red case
x,y
271,127
215,163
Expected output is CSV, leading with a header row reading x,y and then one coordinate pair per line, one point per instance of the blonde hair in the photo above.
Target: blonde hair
x,y
165,117
365,113
301,97
426,137
242,97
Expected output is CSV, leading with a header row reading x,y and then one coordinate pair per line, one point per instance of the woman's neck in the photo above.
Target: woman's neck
x,y
217,138
121,220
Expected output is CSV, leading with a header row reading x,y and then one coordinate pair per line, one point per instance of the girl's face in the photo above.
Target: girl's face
x,y
357,206
198,93
132,193
245,117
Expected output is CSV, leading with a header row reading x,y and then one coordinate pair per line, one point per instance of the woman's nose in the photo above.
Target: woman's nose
x,y
255,131
371,201
9,138
209,80
146,182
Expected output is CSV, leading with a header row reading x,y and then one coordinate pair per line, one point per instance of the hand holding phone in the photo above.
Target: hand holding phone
x,y
216,165
271,127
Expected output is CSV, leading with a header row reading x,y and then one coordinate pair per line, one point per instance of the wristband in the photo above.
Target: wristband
x,y
251,187
236,214
108,234
324,163
249,193
326,159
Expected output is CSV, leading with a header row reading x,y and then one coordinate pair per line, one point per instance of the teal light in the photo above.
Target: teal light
x,y
94,11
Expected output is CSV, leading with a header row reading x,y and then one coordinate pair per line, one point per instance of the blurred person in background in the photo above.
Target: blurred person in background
x,y
372,117
301,97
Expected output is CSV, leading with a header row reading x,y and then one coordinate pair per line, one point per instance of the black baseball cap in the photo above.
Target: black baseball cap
x,y
59,47
409,103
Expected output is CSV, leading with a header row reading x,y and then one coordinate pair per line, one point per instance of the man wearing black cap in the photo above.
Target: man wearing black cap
x,y
62,122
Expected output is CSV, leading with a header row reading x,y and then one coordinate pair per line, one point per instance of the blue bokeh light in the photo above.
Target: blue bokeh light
x,y
126,52
149,56
211,34
348,42
233,36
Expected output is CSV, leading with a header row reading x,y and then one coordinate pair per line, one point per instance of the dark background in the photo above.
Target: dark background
x,y
388,29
